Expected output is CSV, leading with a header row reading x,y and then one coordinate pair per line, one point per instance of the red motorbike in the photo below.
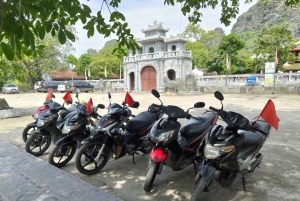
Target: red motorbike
x,y
176,145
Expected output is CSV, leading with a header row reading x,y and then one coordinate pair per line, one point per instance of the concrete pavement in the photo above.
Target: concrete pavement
x,y
277,179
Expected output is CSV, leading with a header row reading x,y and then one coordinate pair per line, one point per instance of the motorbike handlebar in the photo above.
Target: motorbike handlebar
x,y
214,109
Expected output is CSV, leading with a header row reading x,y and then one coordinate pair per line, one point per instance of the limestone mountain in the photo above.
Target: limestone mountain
x,y
268,13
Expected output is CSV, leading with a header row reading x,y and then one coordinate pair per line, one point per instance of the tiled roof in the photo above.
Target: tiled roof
x,y
64,75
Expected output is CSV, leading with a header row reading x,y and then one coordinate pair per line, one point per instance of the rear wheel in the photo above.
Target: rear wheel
x,y
152,172
27,132
199,189
85,159
37,144
59,156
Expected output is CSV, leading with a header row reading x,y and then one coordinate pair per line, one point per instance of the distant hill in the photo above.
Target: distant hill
x,y
261,16
268,13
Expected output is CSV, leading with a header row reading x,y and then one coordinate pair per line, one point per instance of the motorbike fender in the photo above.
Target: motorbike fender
x,y
37,132
68,140
208,171
31,125
100,137
158,155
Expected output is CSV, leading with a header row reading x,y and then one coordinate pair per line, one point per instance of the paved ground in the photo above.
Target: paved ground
x,y
277,179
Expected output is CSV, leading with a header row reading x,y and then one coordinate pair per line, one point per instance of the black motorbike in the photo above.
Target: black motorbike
x,y
229,150
76,128
110,140
49,125
176,145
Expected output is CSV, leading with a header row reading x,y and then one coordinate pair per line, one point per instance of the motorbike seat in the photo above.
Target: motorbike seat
x,y
263,125
251,138
193,126
140,121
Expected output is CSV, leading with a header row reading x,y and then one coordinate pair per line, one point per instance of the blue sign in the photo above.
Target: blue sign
x,y
251,80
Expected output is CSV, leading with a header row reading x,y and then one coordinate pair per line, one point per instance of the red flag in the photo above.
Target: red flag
x,y
49,94
269,114
67,97
128,99
89,106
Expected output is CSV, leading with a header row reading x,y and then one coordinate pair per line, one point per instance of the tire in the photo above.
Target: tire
x,y
27,132
152,172
198,191
39,142
85,158
77,90
59,156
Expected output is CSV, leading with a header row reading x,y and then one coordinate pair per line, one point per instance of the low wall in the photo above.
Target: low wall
x,y
289,89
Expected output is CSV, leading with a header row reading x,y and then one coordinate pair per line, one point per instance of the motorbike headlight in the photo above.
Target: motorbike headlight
x,y
41,122
36,116
212,152
164,136
67,129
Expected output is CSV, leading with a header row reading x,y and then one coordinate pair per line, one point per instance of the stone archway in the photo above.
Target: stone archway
x,y
171,74
148,78
131,81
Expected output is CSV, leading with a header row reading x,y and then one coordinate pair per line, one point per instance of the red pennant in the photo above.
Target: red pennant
x,y
89,106
269,114
67,97
49,94
128,99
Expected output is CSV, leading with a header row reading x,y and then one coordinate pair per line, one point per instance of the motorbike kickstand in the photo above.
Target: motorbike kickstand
x,y
133,156
244,183
195,167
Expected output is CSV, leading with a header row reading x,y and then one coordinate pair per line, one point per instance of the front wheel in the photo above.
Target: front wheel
x,y
152,172
27,132
59,156
199,189
85,159
37,144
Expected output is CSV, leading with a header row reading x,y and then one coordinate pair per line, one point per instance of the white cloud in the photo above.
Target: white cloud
x,y
139,14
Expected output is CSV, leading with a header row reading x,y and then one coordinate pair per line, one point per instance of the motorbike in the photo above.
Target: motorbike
x,y
32,126
49,125
176,145
109,140
229,150
76,128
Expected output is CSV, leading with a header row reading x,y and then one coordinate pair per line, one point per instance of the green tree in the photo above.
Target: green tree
x,y
199,53
22,21
72,60
106,59
275,38
82,67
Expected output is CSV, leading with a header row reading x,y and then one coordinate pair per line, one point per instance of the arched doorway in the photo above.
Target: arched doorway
x,y
148,76
171,74
131,81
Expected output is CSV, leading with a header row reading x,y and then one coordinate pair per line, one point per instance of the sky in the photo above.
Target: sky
x,y
141,13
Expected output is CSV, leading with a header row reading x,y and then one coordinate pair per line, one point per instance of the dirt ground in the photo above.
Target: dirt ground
x,y
277,179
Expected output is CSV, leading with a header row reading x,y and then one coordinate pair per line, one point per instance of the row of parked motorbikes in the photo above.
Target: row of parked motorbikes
x,y
217,152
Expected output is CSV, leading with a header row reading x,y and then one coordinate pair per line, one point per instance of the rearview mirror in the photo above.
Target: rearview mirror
x,y
109,96
219,95
135,104
101,106
199,104
155,93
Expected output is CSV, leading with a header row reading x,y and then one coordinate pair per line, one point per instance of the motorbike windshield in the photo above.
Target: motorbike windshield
x,y
54,105
174,111
114,108
237,121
